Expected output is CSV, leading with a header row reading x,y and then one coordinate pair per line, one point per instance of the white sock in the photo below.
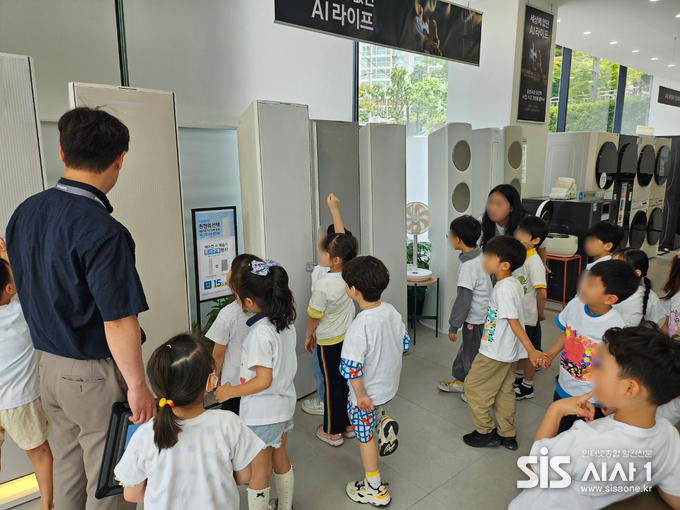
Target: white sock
x,y
258,499
526,382
373,480
284,489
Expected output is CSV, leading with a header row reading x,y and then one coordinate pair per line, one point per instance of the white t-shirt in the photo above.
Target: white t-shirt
x,y
330,298
597,261
531,276
317,273
471,276
500,231
265,347
630,310
198,472
584,333
671,309
670,411
588,442
376,340
498,340
230,329
19,379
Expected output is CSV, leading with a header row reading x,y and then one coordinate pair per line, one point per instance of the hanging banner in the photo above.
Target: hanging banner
x,y
669,96
434,27
214,250
536,65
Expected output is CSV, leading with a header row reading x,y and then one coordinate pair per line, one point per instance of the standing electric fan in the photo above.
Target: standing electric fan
x,y
418,221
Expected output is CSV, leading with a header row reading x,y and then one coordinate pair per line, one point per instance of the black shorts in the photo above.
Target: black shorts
x,y
534,334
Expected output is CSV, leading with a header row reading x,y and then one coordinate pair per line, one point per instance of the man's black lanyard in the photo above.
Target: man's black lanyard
x,y
66,188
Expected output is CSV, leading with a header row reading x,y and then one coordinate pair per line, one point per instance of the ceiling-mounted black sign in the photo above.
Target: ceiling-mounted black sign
x,y
434,27
669,96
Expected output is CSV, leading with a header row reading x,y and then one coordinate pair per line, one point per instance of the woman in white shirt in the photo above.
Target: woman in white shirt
x,y
644,304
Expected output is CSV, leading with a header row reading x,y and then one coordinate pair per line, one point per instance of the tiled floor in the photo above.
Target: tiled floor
x,y
432,469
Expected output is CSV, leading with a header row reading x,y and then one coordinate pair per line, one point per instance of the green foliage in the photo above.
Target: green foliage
x,y
597,116
370,99
552,119
635,112
424,253
218,304
399,95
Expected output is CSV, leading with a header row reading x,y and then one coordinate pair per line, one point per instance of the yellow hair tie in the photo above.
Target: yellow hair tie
x,y
163,401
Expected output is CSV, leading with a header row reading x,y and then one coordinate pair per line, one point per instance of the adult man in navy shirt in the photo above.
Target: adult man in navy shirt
x,y
74,268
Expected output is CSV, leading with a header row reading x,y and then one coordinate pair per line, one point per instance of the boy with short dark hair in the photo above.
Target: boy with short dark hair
x,y
504,342
531,232
371,361
472,299
584,321
601,240
638,370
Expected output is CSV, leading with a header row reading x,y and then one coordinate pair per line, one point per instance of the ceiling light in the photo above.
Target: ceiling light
x,y
671,65
636,51
587,33
655,58
614,42
678,16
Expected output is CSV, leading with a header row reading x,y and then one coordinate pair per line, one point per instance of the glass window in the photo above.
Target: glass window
x,y
403,88
555,93
592,93
636,101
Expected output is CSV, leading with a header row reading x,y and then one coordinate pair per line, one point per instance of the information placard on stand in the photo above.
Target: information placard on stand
x,y
214,232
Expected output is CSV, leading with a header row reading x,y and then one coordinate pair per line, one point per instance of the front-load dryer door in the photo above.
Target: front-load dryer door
x,y
663,164
654,226
646,163
638,229
546,210
606,165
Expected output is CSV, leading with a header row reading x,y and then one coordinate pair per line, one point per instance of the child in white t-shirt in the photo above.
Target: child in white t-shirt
x,y
268,367
584,321
315,405
531,231
504,342
186,457
671,299
331,311
21,411
638,370
228,332
644,304
601,240
472,299
371,361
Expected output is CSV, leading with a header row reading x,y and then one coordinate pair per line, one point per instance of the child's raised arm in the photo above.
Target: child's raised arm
x,y
334,205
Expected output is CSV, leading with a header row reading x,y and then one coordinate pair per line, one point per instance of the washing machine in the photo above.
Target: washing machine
x,y
661,171
670,238
637,234
645,171
625,179
590,158
654,229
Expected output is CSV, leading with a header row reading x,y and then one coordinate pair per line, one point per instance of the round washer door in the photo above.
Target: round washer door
x,y
663,164
654,226
546,210
606,165
646,163
638,230
628,162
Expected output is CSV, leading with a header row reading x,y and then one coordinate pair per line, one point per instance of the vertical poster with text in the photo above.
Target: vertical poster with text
x,y
214,249
536,65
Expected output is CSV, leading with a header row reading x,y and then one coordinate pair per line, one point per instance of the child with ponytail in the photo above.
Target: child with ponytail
x,y
266,388
644,304
671,299
331,311
186,457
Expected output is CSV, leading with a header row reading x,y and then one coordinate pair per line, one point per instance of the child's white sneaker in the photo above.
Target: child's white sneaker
x,y
387,436
463,397
349,432
313,406
362,492
454,386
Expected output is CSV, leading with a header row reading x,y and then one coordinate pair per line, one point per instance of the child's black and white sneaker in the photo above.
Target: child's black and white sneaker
x,y
362,492
523,391
518,381
387,436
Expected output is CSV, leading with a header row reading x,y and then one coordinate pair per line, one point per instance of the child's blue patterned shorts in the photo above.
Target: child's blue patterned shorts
x,y
363,422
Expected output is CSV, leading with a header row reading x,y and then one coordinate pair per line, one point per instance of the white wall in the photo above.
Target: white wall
x,y
220,56
664,118
416,172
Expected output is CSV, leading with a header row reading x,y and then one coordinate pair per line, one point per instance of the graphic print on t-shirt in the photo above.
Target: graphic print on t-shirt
x,y
578,355
523,280
490,325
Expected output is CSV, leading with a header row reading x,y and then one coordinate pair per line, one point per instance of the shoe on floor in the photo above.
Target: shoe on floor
x,y
274,504
454,386
361,492
518,381
509,443
387,436
463,397
522,391
313,406
349,432
477,440
331,439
